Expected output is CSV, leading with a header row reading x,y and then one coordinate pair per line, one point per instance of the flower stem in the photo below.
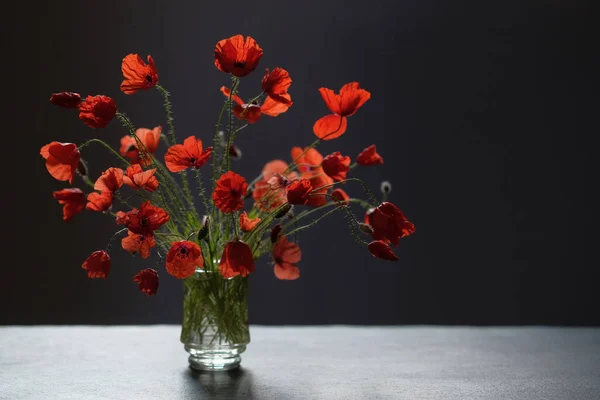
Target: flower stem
x,y
81,146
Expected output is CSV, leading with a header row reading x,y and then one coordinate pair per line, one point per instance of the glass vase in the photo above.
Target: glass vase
x,y
215,320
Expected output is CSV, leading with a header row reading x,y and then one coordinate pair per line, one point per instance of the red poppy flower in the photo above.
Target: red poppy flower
x,y
380,249
73,200
140,179
336,166
110,180
286,254
99,201
136,243
229,192
66,99
237,56
252,112
138,75
341,196
146,220
342,105
298,191
120,217
369,156
276,84
267,197
236,260
97,264
189,154
150,138
62,160
308,161
318,179
275,233
246,223
97,111
183,258
389,223
147,280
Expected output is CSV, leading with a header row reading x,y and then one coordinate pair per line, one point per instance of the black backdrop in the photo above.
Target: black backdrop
x,y
483,111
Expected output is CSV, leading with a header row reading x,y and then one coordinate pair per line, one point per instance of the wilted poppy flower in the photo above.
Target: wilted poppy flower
x,y
110,180
266,196
120,217
389,223
308,161
336,166
286,254
342,105
229,192
99,201
73,200
236,260
369,156
252,112
237,56
62,160
138,179
341,196
136,243
66,99
380,249
278,181
138,75
276,84
146,220
183,258
97,264
147,280
275,233
298,191
247,224
189,154
97,111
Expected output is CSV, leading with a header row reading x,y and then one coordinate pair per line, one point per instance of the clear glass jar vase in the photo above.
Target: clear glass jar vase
x,y
215,320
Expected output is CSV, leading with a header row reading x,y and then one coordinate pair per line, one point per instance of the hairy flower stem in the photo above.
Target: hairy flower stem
x,y
230,134
202,191
81,146
169,112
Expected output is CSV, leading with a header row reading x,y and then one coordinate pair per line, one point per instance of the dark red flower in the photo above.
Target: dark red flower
x,y
146,220
298,191
97,264
369,156
247,224
189,154
236,260
237,56
62,160
139,179
99,201
97,111
380,249
147,280
341,196
229,192
66,99
136,243
183,258
389,223
110,180
336,166
286,254
138,75
342,105
275,233
252,112
73,200
276,84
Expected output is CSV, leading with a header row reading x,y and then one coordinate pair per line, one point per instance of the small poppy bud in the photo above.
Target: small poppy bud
x,y
82,168
66,99
275,233
365,228
386,187
284,211
203,232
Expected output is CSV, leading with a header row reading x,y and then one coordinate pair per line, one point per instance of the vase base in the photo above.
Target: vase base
x,y
215,358
214,364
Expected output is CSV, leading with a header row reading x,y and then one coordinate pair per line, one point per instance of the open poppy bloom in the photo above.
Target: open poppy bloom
x,y
236,260
298,191
136,243
138,75
66,99
341,196
369,156
342,105
286,254
150,139
146,220
380,249
147,280
336,166
97,111
389,223
62,160
229,192
97,264
73,200
139,179
99,201
252,112
320,183
183,258
237,56
247,224
276,84
309,164
189,154
110,180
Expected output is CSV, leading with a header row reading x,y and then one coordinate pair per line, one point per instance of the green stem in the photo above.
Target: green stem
x,y
81,146
230,133
169,112
202,191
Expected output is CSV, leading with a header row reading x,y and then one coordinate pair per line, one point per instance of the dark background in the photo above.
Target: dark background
x,y
485,113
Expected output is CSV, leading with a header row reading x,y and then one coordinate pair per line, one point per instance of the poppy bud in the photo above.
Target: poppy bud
x,y
235,152
66,99
203,232
275,233
283,211
365,228
82,168
386,187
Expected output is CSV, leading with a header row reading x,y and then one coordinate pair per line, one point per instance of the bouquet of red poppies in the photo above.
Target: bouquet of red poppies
x,y
223,224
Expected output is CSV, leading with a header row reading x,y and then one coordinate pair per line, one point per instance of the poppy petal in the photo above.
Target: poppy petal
x,y
330,127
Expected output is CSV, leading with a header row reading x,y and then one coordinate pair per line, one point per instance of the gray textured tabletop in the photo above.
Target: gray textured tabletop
x,y
304,363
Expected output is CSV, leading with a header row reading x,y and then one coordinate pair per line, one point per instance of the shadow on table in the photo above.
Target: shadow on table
x,y
236,383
